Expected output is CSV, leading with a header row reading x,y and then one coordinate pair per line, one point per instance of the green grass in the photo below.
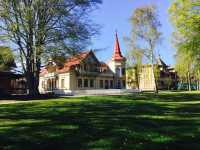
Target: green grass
x,y
168,121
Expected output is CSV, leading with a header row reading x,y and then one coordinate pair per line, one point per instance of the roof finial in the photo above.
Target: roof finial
x,y
116,35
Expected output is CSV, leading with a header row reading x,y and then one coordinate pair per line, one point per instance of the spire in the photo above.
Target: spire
x,y
116,51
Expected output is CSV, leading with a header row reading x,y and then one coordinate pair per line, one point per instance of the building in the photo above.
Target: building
x,y
12,83
84,71
166,77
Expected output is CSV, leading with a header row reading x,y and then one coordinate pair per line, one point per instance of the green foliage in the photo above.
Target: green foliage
x,y
145,35
42,28
185,16
156,71
54,25
184,64
6,59
132,76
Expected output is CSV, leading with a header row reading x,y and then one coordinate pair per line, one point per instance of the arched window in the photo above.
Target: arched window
x,y
118,71
48,84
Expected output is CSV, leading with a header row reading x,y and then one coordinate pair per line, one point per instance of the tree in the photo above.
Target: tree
x,y
145,34
185,17
183,67
134,62
39,28
6,59
187,68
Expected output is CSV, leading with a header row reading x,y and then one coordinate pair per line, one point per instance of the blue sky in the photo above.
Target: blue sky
x,y
114,14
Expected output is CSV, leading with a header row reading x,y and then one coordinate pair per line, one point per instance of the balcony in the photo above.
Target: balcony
x,y
87,73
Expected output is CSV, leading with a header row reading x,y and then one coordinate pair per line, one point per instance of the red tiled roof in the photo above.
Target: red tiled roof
x,y
117,52
76,59
71,61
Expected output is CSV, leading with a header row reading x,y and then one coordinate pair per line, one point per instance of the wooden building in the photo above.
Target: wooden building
x,y
84,72
12,83
166,77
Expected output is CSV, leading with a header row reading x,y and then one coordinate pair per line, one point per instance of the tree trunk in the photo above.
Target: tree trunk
x,y
154,79
137,74
153,74
32,84
198,80
189,81
199,84
32,78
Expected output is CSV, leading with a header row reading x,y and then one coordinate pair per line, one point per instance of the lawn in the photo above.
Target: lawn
x,y
167,121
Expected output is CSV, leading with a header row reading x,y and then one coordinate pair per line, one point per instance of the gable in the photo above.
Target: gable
x,y
91,58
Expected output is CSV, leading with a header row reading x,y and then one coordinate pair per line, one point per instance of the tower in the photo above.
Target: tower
x,y
117,65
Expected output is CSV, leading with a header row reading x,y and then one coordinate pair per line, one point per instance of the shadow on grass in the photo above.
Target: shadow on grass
x,y
27,97
103,123
168,96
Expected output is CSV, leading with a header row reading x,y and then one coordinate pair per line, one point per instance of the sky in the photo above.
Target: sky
x,y
114,15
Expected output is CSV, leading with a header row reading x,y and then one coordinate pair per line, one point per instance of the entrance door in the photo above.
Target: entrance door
x,y
106,84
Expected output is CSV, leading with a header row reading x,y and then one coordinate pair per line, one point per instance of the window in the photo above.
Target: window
x,y
49,84
91,83
111,84
62,83
118,71
101,83
85,82
79,83
53,83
